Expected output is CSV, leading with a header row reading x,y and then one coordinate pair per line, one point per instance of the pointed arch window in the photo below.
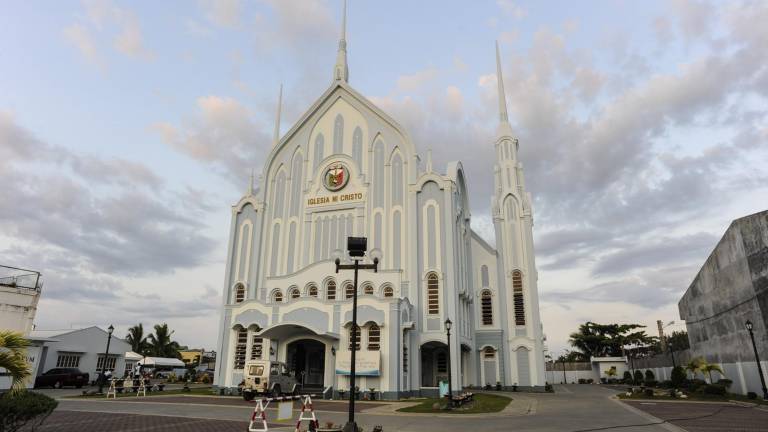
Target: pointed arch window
x,y
433,294
374,337
517,296
330,290
319,149
389,292
312,291
486,306
349,291
239,293
357,147
338,135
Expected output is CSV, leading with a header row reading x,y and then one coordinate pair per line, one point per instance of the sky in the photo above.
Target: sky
x,y
128,129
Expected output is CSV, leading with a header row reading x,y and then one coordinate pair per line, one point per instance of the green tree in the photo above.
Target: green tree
x,y
608,340
136,338
610,373
13,358
678,376
678,340
694,366
708,368
161,344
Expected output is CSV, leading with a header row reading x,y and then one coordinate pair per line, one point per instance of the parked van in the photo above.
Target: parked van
x,y
263,377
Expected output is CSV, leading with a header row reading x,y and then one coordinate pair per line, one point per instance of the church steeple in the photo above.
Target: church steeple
x,y
504,129
276,135
341,71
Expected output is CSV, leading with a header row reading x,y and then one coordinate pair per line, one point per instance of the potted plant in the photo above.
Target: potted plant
x,y
372,393
498,385
341,394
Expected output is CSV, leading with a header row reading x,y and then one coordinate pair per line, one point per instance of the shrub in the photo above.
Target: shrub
x,y
638,377
582,381
650,383
725,383
591,381
714,389
678,376
24,408
627,377
649,375
665,384
648,392
548,388
205,380
752,395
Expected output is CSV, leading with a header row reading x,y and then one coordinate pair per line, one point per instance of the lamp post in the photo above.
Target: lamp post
x,y
448,325
748,325
356,247
110,329
565,379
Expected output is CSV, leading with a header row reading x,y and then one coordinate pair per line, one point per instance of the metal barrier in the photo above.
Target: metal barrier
x,y
259,414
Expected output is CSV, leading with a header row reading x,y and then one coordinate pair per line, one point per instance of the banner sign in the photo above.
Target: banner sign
x,y
340,198
367,363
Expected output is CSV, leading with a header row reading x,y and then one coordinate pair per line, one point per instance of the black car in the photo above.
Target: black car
x,y
60,377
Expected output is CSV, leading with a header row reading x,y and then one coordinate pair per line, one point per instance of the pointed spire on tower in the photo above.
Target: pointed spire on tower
x,y
504,129
250,184
341,71
276,136
429,160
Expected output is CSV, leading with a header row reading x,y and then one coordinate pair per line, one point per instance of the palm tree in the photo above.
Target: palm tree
x,y
709,368
161,344
610,373
694,366
13,350
136,338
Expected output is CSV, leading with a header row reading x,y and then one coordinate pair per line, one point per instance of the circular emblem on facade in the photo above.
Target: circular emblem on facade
x,y
336,177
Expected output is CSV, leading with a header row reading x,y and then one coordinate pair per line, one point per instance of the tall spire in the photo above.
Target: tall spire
x,y
250,184
504,129
276,136
341,71
500,80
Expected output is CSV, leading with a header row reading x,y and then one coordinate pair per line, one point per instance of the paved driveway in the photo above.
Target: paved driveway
x,y
572,408
708,417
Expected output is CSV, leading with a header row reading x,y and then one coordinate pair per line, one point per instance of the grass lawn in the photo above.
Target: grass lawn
x,y
696,397
483,403
192,391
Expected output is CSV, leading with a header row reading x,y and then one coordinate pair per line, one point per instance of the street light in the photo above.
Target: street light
x,y
356,247
110,329
448,325
748,325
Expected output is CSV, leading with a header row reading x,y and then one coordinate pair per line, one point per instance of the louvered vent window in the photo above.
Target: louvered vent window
x,y
517,289
433,295
486,305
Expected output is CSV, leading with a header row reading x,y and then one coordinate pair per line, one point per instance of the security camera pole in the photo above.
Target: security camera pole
x,y
356,246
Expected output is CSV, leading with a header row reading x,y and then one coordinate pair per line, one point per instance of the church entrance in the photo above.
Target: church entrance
x,y
306,357
434,364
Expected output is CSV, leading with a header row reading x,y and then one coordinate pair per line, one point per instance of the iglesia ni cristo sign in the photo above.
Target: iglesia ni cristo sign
x,y
335,178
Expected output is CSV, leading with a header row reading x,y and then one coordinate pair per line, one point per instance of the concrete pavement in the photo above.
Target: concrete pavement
x,y
572,408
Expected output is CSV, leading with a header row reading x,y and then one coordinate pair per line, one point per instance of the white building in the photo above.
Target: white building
x,y
19,295
346,168
84,349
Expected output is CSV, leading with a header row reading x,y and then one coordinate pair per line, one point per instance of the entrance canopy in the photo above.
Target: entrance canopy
x,y
162,362
286,330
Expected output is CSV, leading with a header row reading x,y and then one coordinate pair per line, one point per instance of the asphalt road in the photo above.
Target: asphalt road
x,y
708,417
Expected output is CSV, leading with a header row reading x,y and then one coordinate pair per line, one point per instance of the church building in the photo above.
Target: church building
x,y
346,168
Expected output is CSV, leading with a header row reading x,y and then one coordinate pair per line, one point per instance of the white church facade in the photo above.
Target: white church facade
x,y
348,169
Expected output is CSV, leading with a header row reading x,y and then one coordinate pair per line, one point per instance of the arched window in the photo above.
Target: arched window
x,y
368,289
489,353
349,291
517,296
294,293
433,295
319,150
389,292
330,290
357,147
277,297
240,347
486,306
257,347
484,276
374,337
312,291
239,293
354,338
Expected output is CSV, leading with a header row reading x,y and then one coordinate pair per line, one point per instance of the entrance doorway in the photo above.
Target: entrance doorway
x,y
434,364
306,357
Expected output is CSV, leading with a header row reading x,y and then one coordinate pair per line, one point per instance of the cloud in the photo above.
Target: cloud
x,y
222,132
225,13
512,9
81,38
